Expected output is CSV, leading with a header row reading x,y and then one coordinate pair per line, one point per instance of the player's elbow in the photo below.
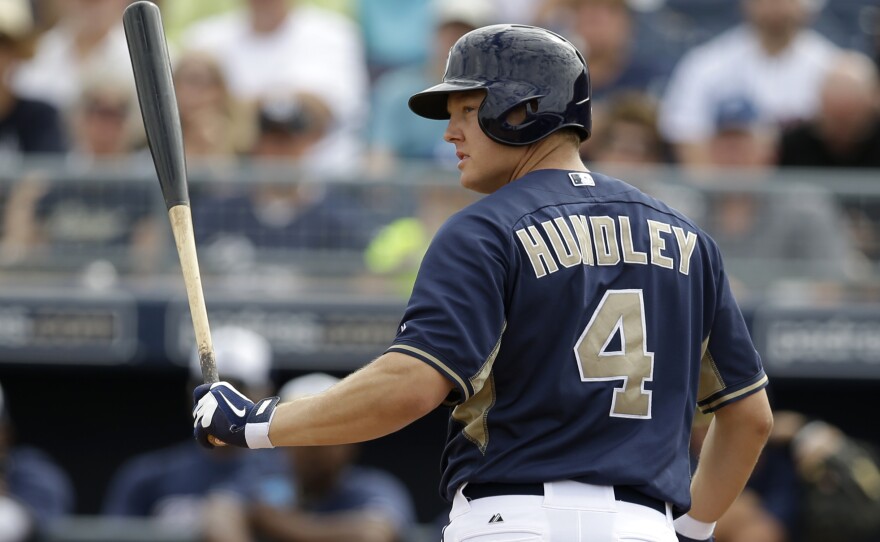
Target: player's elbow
x,y
762,424
750,417
421,401
414,387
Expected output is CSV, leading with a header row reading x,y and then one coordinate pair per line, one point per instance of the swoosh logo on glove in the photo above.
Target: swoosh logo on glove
x,y
240,412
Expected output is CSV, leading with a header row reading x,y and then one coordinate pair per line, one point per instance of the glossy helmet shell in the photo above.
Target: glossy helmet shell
x,y
515,64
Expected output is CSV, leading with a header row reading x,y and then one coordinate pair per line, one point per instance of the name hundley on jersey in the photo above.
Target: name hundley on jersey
x,y
603,240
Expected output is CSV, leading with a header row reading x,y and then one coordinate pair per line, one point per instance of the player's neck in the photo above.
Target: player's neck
x,y
549,153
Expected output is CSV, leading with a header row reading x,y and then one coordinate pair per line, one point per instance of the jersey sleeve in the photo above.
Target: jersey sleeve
x,y
456,314
730,368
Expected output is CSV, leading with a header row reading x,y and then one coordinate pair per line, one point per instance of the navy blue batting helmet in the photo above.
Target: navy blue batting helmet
x,y
516,65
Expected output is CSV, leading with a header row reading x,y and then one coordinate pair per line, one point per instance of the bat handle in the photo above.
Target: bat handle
x,y
210,378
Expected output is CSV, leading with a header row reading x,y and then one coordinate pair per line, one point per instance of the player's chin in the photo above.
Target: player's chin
x,y
472,181
477,184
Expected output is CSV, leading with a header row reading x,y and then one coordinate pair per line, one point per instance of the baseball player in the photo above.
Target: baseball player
x,y
570,322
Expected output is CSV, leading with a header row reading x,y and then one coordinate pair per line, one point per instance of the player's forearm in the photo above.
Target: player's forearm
x,y
731,449
386,395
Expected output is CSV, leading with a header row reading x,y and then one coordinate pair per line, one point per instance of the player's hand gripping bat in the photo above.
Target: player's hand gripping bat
x,y
155,90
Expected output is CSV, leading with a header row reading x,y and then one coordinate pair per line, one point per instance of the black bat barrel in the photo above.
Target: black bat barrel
x,y
152,76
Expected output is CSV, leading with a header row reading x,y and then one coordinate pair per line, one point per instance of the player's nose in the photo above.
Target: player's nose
x,y
452,133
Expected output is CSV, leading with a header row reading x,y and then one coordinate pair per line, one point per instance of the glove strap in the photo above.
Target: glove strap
x,y
256,430
692,528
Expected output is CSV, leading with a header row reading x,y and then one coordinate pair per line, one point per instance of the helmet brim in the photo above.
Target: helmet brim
x,y
431,103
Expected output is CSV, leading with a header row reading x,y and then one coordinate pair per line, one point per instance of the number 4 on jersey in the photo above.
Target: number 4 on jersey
x,y
620,313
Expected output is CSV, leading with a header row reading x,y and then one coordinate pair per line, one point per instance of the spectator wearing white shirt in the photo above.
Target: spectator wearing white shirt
x,y
772,59
271,49
88,40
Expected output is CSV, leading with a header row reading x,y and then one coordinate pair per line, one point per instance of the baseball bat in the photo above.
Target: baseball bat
x,y
155,90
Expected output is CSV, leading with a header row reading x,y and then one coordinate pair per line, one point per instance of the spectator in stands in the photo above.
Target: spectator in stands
x,y
34,491
767,233
281,209
326,497
397,250
102,120
844,134
626,133
846,130
26,125
396,33
104,213
604,31
271,48
87,41
171,484
742,139
216,126
396,132
773,59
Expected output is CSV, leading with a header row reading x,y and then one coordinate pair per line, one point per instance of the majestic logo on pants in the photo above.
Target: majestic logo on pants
x,y
496,519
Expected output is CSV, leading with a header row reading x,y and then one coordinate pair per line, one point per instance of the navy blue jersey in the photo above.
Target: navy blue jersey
x,y
581,322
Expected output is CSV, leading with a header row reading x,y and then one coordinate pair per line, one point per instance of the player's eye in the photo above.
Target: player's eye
x,y
468,109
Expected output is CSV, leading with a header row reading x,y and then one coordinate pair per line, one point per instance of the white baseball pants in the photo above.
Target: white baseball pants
x,y
567,512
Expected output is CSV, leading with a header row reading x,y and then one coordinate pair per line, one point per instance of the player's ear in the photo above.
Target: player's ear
x,y
520,113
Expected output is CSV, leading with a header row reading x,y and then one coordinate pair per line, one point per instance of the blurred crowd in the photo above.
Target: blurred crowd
x,y
319,89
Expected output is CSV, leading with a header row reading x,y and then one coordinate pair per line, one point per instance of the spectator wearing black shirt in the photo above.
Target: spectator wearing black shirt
x,y
846,131
26,126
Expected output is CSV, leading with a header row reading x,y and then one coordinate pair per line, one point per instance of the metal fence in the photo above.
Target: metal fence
x,y
809,236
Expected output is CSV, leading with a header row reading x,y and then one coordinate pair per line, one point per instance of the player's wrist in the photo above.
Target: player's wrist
x,y
256,430
693,529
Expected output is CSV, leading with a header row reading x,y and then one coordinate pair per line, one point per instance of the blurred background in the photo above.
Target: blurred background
x,y
315,193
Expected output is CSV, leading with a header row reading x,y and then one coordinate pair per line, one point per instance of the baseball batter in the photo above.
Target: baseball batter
x,y
571,323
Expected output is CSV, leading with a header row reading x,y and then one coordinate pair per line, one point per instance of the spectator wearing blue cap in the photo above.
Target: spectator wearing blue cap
x,y
766,233
773,58
741,138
